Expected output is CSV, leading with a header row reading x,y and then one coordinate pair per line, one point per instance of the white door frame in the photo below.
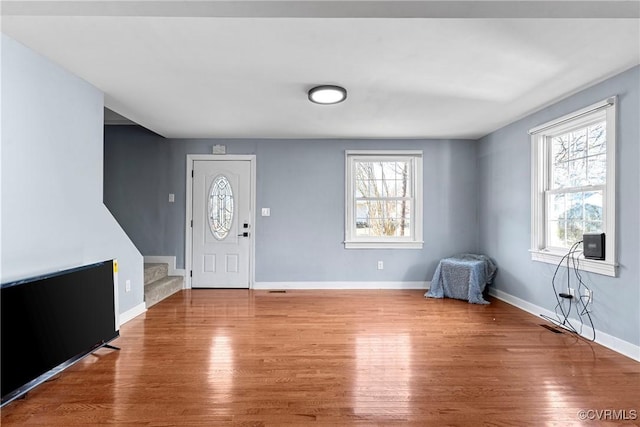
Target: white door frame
x,y
188,261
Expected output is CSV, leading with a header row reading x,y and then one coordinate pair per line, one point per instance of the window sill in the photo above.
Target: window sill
x,y
383,245
605,268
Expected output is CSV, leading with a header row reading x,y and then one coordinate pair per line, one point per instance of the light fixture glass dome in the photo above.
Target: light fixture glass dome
x,y
327,94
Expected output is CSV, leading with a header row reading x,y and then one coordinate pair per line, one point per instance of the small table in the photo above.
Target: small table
x,y
462,276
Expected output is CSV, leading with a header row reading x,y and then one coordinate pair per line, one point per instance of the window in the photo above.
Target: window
x,y
573,184
220,207
383,199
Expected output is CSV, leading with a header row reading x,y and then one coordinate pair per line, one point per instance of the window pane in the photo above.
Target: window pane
x,y
362,228
578,144
593,205
556,233
400,215
383,218
220,207
376,221
376,227
383,215
560,149
575,206
370,188
597,138
392,218
577,173
363,177
381,221
560,176
579,158
382,179
362,218
378,188
556,207
389,223
570,215
575,229
593,227
597,169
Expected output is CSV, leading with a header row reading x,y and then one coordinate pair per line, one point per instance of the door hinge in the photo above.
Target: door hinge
x,y
191,223
191,173
190,273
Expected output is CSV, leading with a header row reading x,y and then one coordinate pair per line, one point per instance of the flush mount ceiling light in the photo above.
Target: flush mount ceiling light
x,y
327,94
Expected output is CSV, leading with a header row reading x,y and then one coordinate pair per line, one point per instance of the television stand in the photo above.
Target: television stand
x,y
112,347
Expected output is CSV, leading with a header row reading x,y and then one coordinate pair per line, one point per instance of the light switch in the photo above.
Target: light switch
x,y
266,211
172,197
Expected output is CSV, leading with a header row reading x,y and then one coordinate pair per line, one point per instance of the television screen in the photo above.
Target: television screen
x,y
53,320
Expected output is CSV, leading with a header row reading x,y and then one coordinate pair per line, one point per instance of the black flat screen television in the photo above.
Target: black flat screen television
x,y
51,321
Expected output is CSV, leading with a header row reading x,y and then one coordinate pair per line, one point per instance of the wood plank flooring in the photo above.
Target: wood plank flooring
x,y
336,358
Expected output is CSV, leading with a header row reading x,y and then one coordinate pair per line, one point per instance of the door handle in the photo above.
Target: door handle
x,y
245,234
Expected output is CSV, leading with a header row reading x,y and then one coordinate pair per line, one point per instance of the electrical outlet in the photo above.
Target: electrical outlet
x,y
572,292
127,286
380,265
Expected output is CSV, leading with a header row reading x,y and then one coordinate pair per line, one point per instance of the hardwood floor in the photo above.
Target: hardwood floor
x,y
336,358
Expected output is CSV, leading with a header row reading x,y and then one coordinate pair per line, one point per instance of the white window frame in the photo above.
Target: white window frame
x,y
540,164
351,241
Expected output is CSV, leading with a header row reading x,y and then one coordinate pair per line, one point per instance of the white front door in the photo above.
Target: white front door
x,y
221,229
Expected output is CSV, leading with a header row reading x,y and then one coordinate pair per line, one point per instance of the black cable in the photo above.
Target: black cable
x,y
581,284
565,323
565,326
585,307
555,291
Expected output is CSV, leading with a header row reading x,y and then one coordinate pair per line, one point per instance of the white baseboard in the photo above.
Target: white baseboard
x,y
339,285
616,344
132,313
171,261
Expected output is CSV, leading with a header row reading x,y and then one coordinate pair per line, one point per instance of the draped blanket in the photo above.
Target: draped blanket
x,y
462,276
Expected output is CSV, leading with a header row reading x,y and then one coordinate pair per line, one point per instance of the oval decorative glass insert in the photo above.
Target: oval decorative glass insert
x,y
220,207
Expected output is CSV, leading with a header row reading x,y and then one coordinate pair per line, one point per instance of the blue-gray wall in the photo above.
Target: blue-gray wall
x,y
504,165
302,181
476,198
53,216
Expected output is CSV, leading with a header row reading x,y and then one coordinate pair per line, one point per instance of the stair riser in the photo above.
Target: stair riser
x,y
155,272
156,292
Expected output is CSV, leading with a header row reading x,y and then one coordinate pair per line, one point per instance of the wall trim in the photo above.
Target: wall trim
x,y
171,261
616,344
132,313
605,268
340,285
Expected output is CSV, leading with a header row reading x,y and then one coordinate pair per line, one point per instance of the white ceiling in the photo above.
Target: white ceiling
x,y
413,69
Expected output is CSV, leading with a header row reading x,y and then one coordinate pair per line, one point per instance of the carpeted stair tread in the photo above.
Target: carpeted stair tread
x,y
155,271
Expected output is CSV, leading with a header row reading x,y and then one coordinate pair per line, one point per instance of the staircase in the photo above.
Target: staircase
x,y
158,285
